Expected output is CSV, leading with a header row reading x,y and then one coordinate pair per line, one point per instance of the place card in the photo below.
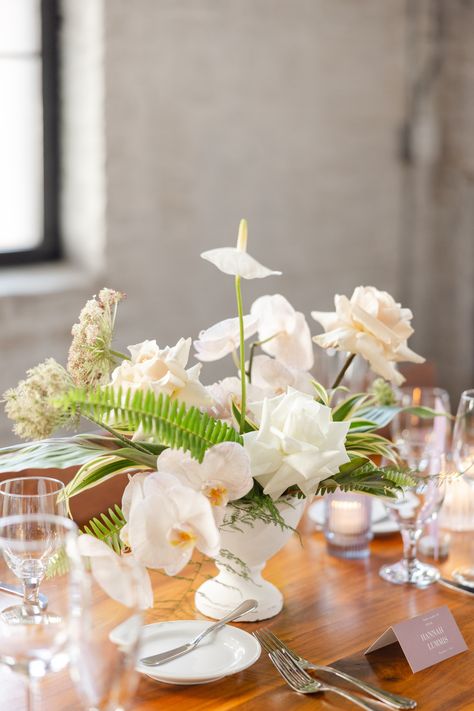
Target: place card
x,y
425,639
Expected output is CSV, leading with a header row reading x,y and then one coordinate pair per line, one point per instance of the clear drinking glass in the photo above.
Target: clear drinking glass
x,y
463,454
39,643
107,635
26,496
422,443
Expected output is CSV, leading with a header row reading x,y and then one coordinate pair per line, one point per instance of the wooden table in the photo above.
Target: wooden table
x,y
333,610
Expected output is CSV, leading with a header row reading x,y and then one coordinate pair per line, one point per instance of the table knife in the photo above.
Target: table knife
x,y
453,585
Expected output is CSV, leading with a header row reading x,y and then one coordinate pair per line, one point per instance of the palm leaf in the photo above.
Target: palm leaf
x,y
165,421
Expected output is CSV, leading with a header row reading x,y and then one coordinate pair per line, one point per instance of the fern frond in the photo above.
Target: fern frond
x,y
107,528
168,422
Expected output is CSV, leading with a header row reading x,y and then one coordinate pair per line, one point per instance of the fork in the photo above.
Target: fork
x,y
298,680
271,643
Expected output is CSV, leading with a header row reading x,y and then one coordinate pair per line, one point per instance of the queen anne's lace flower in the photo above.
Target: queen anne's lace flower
x,y
32,403
90,359
372,324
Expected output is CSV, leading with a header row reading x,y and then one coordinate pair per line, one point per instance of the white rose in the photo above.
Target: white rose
x,y
162,371
297,443
373,325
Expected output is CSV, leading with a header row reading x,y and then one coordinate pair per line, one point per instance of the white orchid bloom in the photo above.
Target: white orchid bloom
x,y
236,261
223,338
273,378
373,325
120,577
162,371
287,330
297,444
166,521
224,474
224,392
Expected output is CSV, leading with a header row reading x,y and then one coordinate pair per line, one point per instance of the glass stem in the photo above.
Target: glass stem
x,y
32,693
31,592
410,538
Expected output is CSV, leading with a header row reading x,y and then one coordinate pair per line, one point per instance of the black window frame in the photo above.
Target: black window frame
x,y
49,248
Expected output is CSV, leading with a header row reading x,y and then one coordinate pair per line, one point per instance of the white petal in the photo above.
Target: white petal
x,y
231,260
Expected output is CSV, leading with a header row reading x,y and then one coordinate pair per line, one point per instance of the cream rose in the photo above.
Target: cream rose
x,y
297,443
162,371
373,325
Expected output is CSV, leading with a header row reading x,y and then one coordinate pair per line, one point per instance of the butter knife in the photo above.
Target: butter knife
x,y
156,659
453,585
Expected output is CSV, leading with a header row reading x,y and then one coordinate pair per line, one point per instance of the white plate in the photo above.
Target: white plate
x,y
381,523
228,651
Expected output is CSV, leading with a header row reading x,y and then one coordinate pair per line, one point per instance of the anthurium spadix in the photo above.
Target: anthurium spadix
x,y
236,260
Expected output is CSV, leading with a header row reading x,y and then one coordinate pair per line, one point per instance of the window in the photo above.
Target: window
x,y
29,161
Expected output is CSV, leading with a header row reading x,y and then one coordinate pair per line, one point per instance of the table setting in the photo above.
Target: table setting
x,y
301,494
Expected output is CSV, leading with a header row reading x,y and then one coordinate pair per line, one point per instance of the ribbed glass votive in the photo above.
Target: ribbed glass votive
x,y
347,524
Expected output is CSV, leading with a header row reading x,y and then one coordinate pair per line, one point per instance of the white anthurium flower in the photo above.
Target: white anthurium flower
x,y
236,261
373,325
224,474
297,444
162,371
274,378
291,342
223,338
224,392
111,573
166,521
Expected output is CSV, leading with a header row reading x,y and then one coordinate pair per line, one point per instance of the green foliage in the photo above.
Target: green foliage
x,y
107,528
104,467
322,395
365,477
57,453
166,422
254,506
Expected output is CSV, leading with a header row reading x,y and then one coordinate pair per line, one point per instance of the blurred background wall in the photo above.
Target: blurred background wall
x,y
341,129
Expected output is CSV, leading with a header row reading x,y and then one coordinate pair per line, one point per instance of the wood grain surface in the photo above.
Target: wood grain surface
x,y
333,610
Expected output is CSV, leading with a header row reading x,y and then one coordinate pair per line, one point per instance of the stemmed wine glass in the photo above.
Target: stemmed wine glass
x,y
30,544
463,455
422,443
26,496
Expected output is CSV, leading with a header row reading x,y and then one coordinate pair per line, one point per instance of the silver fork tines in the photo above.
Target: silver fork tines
x,y
270,642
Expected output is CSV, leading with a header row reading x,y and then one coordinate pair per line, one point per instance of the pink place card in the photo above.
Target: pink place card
x,y
425,639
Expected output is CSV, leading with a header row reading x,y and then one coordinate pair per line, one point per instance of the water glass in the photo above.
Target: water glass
x,y
36,642
25,496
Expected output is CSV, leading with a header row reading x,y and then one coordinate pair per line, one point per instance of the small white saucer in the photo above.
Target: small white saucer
x,y
382,524
226,652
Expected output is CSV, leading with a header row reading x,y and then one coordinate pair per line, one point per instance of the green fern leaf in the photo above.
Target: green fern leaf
x,y
166,422
107,528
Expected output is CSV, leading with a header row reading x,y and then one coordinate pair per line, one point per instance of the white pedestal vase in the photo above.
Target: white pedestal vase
x,y
253,546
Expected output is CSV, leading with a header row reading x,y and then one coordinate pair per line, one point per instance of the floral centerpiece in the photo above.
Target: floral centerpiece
x,y
206,465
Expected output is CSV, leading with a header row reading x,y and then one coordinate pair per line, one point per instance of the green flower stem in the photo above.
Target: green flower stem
x,y
117,354
343,370
255,345
243,375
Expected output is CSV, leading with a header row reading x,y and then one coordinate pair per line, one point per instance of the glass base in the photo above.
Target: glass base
x,y
465,576
28,615
418,574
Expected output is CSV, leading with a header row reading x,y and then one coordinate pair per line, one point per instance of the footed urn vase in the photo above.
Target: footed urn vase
x,y
244,555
